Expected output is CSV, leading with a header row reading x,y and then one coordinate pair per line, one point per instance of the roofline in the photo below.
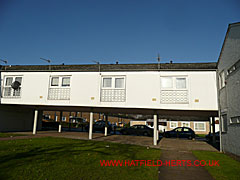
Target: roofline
x,y
115,70
229,26
111,68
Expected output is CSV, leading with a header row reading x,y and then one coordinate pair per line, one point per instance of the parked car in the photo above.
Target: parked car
x,y
209,137
181,132
137,130
100,126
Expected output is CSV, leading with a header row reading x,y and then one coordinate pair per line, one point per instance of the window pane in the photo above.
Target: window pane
x,y
119,83
107,82
7,91
9,81
66,81
166,82
55,81
199,127
180,83
19,79
17,92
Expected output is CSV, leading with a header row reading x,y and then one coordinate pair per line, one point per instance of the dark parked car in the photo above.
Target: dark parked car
x,y
137,130
181,132
209,137
100,126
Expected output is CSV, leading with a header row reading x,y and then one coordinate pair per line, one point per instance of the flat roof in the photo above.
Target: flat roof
x,y
114,67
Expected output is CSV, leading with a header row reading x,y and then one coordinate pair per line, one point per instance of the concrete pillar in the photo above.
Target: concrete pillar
x,y
155,130
35,122
106,124
60,123
213,128
90,125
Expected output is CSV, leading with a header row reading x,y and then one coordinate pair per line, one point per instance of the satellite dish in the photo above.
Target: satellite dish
x,y
16,85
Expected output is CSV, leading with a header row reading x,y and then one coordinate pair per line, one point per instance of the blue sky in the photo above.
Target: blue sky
x,y
130,31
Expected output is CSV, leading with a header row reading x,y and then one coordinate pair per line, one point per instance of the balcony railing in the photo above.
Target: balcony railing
x,y
174,97
113,95
59,93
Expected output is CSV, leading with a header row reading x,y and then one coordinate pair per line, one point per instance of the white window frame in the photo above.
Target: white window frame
x,y
197,123
186,122
60,78
174,82
9,86
113,78
173,122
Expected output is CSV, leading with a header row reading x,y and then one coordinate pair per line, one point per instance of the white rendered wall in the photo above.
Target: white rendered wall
x,y
142,89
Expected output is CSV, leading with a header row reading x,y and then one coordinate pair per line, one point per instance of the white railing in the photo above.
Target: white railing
x,y
174,97
113,95
59,93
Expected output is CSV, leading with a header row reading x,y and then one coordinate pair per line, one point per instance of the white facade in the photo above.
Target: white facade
x,y
178,90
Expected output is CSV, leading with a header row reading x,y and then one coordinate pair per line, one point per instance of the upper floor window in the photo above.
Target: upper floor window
x,y
60,81
222,79
174,90
173,82
12,86
113,89
113,82
59,88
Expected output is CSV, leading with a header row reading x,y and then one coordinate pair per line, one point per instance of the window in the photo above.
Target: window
x,y
235,120
59,88
113,89
119,82
178,129
61,81
199,126
63,118
166,82
180,83
12,87
66,81
55,81
107,82
221,79
185,124
186,130
173,124
173,82
224,123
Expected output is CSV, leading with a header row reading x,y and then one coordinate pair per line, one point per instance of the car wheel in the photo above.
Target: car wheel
x,y
124,133
145,134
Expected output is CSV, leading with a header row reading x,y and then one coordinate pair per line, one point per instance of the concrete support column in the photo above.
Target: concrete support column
x,y
155,130
90,125
60,123
106,124
35,122
213,128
